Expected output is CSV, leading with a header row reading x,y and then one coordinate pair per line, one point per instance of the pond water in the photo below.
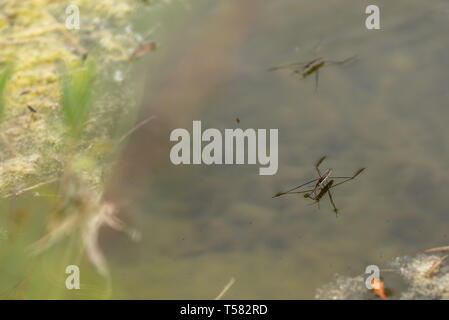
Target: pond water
x,y
387,112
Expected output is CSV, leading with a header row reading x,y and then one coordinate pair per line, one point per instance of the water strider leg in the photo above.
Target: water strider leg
x,y
333,203
318,164
304,184
290,191
350,178
342,62
287,66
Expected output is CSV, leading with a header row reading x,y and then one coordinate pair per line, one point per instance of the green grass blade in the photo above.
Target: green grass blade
x,y
76,89
5,74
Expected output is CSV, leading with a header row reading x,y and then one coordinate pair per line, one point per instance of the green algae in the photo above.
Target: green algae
x,y
63,114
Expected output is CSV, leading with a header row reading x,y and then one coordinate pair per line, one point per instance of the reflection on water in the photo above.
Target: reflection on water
x,y
203,225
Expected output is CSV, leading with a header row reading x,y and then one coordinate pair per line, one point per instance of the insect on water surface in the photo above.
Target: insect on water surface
x,y
305,69
323,185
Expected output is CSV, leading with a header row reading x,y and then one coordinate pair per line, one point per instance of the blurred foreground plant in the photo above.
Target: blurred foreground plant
x,y
76,101
63,151
5,74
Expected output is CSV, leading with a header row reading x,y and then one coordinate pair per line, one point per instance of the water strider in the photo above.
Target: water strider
x,y
323,185
306,69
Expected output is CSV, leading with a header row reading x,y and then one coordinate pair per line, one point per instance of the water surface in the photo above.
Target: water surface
x,y
387,112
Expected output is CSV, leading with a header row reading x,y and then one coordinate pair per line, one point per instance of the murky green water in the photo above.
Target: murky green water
x,y
387,112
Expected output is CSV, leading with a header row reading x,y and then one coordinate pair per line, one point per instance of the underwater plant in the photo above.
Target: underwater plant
x,y
5,74
76,100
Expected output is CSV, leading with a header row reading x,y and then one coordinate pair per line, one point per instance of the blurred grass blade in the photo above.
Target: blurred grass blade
x,y
5,74
76,102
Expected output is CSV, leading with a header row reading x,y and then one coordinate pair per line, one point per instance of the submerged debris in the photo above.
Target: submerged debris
x,y
84,210
435,267
414,273
143,49
378,288
343,288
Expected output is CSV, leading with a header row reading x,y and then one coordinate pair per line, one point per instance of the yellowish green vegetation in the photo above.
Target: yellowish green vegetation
x,y
4,77
76,93
35,40
63,114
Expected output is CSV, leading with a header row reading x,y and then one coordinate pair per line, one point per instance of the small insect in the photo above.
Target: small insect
x,y
31,109
237,120
323,185
84,56
143,49
33,115
305,69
